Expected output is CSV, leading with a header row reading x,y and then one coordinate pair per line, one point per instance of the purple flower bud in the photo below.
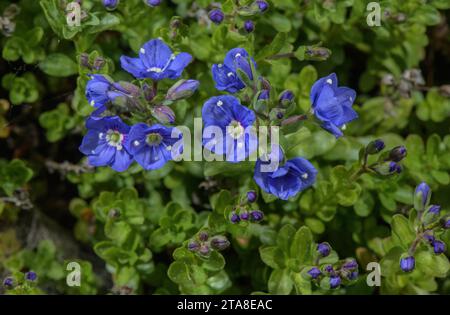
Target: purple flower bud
x,y
153,3
251,196
235,218
353,275
407,264
422,196
447,224
256,215
262,5
245,216
220,242
375,146
434,209
182,89
314,272
286,98
335,281
163,114
193,246
438,247
429,238
203,236
264,95
280,115
324,249
30,276
394,168
350,265
8,282
204,250
110,4
397,154
328,268
249,26
216,16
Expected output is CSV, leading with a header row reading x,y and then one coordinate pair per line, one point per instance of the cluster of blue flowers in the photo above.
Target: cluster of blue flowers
x,y
243,212
331,105
109,141
29,276
431,224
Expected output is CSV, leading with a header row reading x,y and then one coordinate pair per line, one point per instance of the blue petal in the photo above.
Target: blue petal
x,y
155,53
327,108
348,115
90,142
177,66
316,89
219,110
231,55
104,157
105,123
285,187
134,66
243,114
122,160
299,167
151,157
332,128
224,81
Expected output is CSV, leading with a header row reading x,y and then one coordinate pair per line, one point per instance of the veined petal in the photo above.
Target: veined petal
x,y
330,80
177,65
155,54
134,66
122,160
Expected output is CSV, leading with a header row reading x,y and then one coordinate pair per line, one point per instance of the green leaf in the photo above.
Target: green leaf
x,y
280,282
272,257
58,65
301,247
402,233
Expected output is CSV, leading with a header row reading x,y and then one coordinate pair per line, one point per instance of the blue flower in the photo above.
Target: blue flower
x,y
8,282
286,181
156,61
100,91
332,105
407,264
153,146
225,75
104,143
232,120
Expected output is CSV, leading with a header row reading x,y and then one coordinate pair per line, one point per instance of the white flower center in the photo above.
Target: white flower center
x,y
142,50
237,55
329,81
92,103
305,175
235,129
219,103
136,143
114,139
230,74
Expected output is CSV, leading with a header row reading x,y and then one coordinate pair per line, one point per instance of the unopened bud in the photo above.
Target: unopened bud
x,y
220,242
182,89
163,114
